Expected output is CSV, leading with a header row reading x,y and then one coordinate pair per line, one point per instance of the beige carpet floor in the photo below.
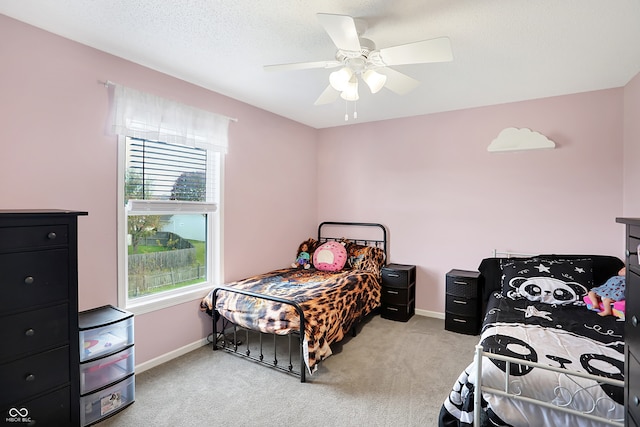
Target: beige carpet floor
x,y
390,374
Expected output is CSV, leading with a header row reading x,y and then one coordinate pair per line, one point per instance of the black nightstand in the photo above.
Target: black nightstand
x,y
398,292
463,302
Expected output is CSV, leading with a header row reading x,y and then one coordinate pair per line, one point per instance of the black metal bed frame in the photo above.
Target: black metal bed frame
x,y
230,340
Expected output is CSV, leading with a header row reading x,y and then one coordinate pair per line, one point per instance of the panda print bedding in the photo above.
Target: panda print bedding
x,y
537,313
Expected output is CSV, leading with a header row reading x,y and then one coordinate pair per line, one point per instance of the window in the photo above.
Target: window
x,y
171,204
171,160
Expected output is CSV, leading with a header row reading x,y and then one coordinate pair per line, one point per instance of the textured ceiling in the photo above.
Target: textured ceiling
x,y
504,50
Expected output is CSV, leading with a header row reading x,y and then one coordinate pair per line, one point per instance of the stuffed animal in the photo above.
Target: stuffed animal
x,y
303,259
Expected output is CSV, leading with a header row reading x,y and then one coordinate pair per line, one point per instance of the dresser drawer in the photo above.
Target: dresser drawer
x,y
395,295
29,279
463,306
52,409
632,313
632,247
42,236
633,384
34,374
33,331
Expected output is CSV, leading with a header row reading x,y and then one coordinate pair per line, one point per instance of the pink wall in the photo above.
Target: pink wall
x,y
54,153
632,148
448,202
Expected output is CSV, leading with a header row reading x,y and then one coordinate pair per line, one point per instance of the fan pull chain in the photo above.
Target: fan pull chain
x,y
355,111
346,110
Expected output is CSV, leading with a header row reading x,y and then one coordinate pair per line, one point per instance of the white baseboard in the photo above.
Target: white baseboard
x,y
428,313
171,355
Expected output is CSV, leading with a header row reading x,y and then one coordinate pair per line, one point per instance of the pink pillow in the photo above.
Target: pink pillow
x,y
330,256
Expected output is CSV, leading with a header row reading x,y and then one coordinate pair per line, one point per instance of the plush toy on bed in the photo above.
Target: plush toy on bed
x,y
303,259
604,298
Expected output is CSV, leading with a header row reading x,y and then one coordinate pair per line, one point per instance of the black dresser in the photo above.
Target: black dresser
x,y
39,355
462,306
632,323
398,292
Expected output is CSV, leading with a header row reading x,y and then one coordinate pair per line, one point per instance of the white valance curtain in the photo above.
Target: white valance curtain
x,y
146,116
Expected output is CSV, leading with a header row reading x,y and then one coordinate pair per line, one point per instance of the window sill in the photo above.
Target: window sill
x,y
161,302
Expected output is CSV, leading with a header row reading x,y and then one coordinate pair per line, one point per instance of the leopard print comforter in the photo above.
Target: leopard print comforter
x,y
332,302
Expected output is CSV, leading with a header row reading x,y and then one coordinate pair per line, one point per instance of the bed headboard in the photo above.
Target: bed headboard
x,y
362,233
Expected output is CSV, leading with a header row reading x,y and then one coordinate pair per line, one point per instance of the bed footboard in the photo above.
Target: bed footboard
x,y
511,391
234,347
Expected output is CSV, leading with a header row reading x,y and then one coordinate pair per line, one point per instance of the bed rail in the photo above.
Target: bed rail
x,y
508,392
260,359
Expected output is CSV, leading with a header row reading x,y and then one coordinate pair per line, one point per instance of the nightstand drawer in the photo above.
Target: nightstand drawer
x,y
462,283
34,330
33,278
401,313
396,296
461,324
398,275
462,306
42,236
34,374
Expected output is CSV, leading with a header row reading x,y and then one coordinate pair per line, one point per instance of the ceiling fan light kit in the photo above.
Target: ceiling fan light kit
x,y
360,58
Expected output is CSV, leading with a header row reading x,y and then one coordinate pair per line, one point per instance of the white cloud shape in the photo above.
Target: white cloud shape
x,y
513,139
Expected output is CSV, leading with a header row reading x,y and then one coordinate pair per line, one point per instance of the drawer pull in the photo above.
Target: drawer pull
x,y
29,332
30,378
29,280
460,320
460,282
634,320
636,400
393,275
52,236
392,309
393,292
460,302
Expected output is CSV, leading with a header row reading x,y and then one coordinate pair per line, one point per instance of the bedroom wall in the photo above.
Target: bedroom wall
x,y
55,153
631,206
448,203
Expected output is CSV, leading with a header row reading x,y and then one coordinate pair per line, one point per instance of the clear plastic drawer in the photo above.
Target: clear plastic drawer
x,y
106,402
101,372
103,338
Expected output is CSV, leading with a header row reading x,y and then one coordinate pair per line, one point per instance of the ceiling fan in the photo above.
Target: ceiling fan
x,y
359,59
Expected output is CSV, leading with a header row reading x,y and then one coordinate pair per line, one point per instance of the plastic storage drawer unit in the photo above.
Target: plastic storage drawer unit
x,y
107,377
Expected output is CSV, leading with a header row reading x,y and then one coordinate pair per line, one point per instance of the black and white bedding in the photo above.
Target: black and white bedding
x,y
535,312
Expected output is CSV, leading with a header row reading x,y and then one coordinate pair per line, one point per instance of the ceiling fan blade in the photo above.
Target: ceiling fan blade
x,y
434,50
398,82
327,97
302,65
341,29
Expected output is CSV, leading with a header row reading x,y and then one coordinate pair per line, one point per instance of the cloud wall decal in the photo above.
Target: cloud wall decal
x,y
513,139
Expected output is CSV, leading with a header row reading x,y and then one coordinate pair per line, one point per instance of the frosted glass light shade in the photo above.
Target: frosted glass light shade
x,y
350,93
340,79
374,80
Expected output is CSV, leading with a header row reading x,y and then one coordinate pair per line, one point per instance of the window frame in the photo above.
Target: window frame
x,y
165,299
